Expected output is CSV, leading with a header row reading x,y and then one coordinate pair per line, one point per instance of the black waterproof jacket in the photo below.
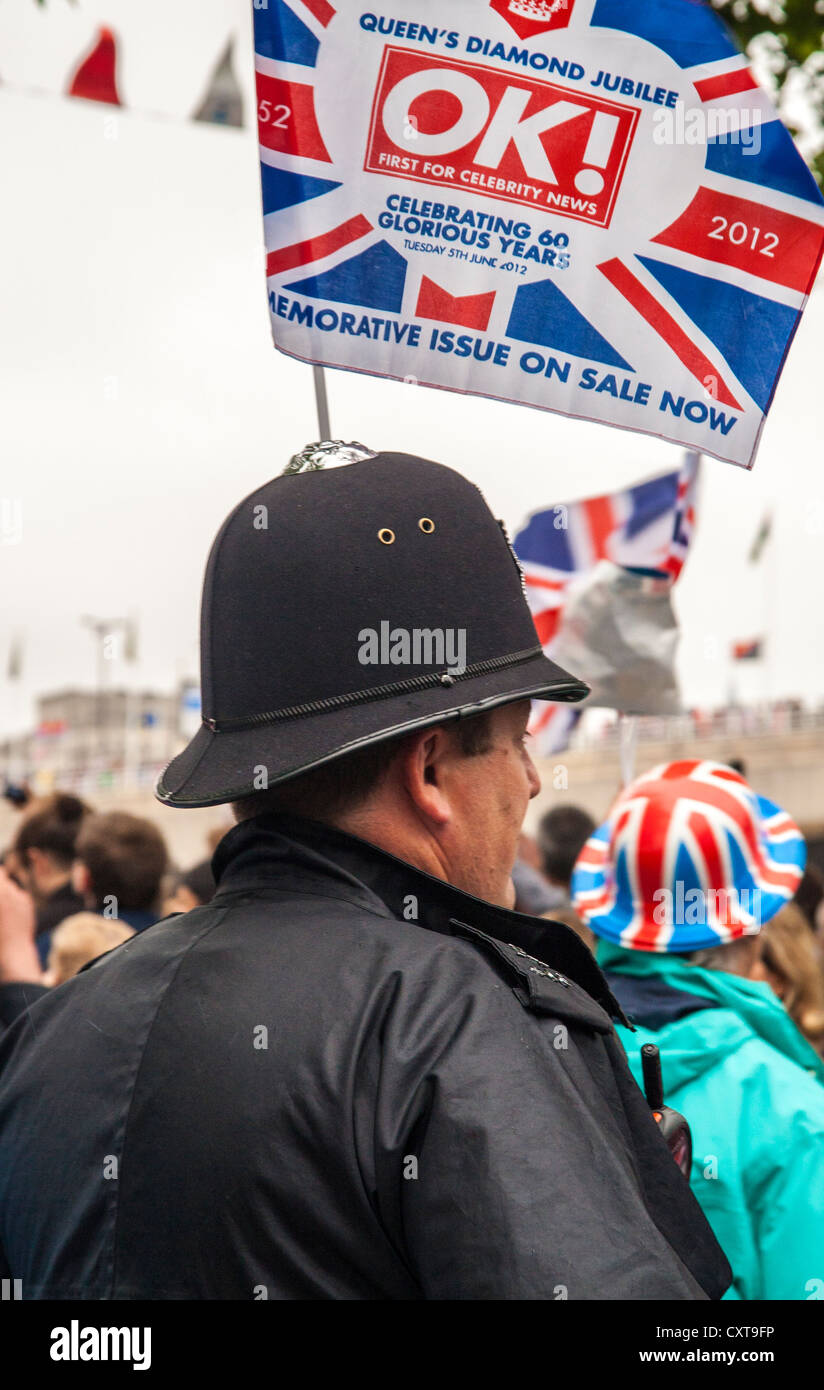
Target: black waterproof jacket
x,y
339,1079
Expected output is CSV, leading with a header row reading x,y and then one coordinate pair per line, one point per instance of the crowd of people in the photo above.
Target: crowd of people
x,y
86,881
739,1025
93,879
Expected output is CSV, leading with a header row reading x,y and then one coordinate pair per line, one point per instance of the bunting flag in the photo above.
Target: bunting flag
x,y
645,532
587,206
223,102
96,77
80,54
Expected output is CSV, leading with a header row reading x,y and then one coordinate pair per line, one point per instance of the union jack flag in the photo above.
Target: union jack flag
x,y
646,529
671,313
690,857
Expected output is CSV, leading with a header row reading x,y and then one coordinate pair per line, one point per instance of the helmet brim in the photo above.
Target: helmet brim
x,y
225,766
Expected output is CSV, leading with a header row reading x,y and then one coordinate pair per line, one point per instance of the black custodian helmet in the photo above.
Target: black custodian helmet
x,y
345,605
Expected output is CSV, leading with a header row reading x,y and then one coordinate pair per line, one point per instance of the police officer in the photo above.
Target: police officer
x,y
355,1073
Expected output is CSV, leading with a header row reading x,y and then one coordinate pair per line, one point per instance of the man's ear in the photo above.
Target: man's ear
x,y
424,767
34,861
81,880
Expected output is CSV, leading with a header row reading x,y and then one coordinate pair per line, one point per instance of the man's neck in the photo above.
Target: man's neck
x,y
394,836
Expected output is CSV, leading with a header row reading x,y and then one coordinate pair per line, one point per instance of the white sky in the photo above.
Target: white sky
x,y
141,395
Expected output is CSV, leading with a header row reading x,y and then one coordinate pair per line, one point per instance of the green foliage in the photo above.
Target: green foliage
x,y
792,32
797,24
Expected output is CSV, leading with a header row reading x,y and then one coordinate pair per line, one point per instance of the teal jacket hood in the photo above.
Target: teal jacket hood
x,y
750,1087
740,1009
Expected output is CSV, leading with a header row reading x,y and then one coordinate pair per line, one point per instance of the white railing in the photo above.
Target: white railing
x,y
781,720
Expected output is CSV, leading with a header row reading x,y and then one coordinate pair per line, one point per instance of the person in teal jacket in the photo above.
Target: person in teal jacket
x,y
676,885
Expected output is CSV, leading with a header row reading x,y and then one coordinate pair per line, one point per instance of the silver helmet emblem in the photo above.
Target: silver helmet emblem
x,y
328,453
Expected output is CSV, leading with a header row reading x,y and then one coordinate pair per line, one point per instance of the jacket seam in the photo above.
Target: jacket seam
x,y
388,916
116,1232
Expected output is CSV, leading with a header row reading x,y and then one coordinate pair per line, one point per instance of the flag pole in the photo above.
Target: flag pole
x,y
771,608
322,403
627,741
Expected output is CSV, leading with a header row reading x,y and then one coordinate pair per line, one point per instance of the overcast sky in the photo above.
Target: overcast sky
x,y
142,397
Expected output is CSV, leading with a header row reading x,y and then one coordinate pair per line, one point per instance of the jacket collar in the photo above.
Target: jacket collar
x,y
275,851
649,1003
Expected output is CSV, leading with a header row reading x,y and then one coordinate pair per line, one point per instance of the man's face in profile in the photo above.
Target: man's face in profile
x,y
490,793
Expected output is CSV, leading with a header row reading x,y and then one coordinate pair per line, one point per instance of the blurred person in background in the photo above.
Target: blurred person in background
x,y
528,852
18,795
121,860
677,886
534,894
792,965
21,971
193,889
41,860
74,942
79,939
810,895
562,833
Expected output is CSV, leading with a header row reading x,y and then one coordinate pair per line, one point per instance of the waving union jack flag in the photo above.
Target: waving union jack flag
x,y
646,529
589,207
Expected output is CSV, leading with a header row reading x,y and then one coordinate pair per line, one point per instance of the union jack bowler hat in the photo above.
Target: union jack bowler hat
x,y
690,857
355,597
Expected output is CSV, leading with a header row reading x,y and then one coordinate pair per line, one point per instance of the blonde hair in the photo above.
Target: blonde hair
x,y
79,939
789,951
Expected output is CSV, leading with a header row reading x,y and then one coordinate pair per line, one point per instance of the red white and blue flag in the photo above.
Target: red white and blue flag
x,y
588,206
646,529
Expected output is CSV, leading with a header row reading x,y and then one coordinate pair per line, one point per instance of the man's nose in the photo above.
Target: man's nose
x,y
534,779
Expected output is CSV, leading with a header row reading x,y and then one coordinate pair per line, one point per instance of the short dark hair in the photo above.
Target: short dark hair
x,y
200,881
53,827
809,893
562,834
325,792
126,858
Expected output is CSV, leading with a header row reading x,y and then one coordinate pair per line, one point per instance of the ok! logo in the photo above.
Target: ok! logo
x,y
512,136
